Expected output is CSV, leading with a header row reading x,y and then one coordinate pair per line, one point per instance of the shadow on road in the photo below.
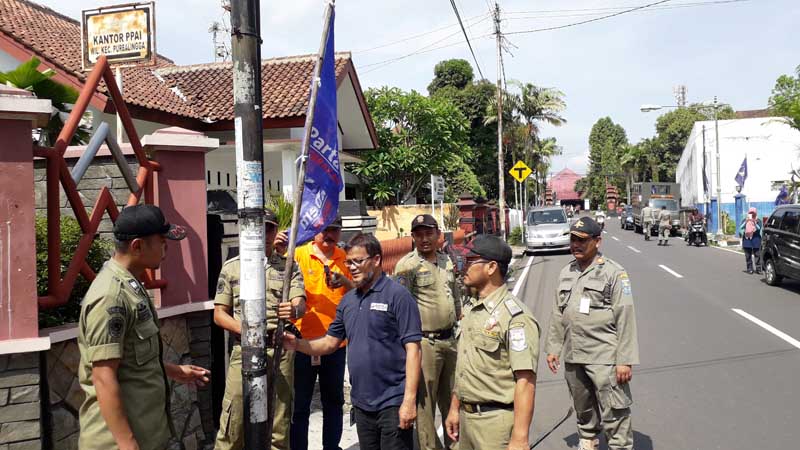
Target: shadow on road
x,y
640,441
787,284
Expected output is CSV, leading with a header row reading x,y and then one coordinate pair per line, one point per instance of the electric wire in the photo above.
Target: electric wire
x,y
469,44
470,21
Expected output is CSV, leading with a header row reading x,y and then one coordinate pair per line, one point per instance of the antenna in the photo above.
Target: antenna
x,y
680,95
220,32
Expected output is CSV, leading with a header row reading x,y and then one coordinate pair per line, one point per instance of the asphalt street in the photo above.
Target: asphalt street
x,y
710,377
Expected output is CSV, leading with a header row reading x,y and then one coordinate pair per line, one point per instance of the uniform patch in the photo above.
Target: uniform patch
x,y
220,286
517,338
116,310
379,307
513,307
135,286
143,312
115,326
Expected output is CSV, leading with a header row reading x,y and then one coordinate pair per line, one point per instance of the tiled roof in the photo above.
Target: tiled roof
x,y
203,92
754,114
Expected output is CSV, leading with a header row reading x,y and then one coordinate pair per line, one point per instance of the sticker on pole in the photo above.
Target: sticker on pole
x,y
520,171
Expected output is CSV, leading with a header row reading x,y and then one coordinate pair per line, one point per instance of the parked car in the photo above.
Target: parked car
x,y
780,245
626,218
547,228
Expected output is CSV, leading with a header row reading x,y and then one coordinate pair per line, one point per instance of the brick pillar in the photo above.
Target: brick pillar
x,y
180,191
19,113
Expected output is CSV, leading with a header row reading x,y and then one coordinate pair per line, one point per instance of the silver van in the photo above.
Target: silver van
x,y
547,228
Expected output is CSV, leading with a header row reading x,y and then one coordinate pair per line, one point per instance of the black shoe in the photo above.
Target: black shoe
x,y
758,272
750,272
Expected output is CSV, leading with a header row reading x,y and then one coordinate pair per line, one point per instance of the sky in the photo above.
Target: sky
x,y
734,51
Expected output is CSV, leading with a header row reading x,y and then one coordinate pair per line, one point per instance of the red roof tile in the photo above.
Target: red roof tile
x,y
203,92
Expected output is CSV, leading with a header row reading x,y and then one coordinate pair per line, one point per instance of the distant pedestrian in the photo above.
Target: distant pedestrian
x,y
122,371
664,226
751,240
647,221
430,277
327,279
593,330
498,353
380,321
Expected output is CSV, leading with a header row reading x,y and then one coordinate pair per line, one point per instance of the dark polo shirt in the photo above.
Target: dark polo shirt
x,y
377,324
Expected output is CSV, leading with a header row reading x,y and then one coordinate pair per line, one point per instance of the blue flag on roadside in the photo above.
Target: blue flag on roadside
x,y
323,180
741,175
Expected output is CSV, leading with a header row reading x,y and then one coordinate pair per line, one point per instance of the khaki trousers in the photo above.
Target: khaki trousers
x,y
435,388
485,430
231,421
601,405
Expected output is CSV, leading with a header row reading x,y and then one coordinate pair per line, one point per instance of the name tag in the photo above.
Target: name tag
x,y
584,307
379,307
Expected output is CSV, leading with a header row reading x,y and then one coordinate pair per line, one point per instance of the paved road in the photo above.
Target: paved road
x,y
710,378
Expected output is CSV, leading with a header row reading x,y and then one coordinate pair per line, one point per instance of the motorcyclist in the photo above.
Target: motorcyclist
x,y
697,217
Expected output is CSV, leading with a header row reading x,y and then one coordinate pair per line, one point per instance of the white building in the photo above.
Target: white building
x,y
772,148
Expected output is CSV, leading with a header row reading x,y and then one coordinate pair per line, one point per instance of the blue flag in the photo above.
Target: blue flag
x,y
741,175
323,180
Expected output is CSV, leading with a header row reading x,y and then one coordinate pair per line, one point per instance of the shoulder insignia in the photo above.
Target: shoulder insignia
x,y
220,286
135,286
143,312
513,307
516,337
116,310
115,326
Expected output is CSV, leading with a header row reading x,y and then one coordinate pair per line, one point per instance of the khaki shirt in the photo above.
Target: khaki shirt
x,y
498,336
228,287
647,214
664,218
118,321
433,286
593,320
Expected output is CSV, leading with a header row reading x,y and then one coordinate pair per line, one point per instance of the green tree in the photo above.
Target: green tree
x,y
27,76
418,136
607,140
785,99
451,72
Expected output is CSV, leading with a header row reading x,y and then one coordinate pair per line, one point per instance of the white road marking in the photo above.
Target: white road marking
x,y
614,238
794,342
676,274
518,285
633,249
727,250
605,232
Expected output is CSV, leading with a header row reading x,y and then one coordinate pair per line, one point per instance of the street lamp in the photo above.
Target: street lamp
x,y
716,106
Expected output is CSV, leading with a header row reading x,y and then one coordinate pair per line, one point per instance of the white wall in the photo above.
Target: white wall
x,y
772,148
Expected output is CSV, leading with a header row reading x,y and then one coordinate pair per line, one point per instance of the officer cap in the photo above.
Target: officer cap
x,y
139,221
424,220
585,227
491,248
270,217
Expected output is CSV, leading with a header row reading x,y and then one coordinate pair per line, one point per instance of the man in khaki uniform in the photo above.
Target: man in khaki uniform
x,y
121,370
647,221
664,226
593,329
430,277
498,351
231,425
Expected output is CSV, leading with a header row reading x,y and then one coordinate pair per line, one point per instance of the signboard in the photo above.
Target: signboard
x,y
520,171
437,188
125,34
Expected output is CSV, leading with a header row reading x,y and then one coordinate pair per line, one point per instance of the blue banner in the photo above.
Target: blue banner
x,y
323,180
741,175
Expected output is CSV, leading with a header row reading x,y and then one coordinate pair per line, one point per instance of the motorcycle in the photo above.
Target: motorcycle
x,y
696,234
601,220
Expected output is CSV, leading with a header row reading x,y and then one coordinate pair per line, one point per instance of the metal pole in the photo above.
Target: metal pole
x,y
298,199
246,45
501,201
119,118
433,195
706,198
719,178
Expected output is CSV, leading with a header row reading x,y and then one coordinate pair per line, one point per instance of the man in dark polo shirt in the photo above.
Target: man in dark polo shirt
x,y
381,323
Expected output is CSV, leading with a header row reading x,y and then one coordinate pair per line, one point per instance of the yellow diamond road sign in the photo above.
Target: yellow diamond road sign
x,y
520,171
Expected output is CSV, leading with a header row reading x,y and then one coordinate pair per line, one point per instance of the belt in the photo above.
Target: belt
x,y
485,407
438,334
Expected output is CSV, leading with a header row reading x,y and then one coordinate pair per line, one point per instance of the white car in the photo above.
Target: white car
x,y
547,228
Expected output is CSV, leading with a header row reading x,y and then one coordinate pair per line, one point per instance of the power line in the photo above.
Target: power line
x,y
381,64
458,16
615,8
602,10
416,36
583,22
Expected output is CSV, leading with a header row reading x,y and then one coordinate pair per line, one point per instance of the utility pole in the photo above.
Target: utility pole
x,y
501,202
246,46
719,180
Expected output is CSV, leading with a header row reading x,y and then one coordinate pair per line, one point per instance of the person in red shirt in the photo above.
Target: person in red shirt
x,y
327,279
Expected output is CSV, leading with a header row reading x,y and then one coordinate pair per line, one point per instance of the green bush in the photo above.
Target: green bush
x,y
282,208
515,238
70,236
730,225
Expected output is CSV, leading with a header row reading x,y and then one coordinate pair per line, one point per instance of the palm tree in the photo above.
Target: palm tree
x,y
544,150
633,160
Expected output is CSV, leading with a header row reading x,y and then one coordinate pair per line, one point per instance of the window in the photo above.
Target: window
x,y
219,179
775,220
228,179
790,221
547,216
270,184
208,176
672,205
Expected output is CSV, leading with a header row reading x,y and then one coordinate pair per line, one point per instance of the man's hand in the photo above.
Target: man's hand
x,y
187,374
289,342
515,444
451,424
281,243
408,414
128,445
553,364
338,280
285,311
624,374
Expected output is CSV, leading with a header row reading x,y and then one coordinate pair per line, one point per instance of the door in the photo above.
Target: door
x,y
787,244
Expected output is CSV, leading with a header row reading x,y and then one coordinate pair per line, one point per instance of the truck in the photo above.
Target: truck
x,y
656,195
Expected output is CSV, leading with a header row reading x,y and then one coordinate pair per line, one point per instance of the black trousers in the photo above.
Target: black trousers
x,y
380,430
749,253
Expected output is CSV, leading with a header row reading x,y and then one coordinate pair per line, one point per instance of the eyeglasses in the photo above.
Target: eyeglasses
x,y
477,261
356,262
